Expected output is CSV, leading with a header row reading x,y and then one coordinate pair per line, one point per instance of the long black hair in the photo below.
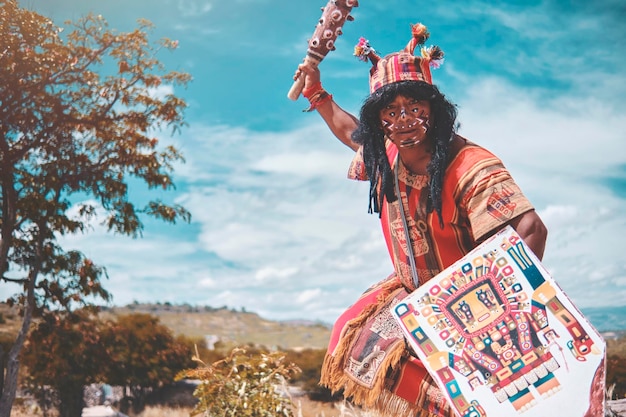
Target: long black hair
x,y
369,133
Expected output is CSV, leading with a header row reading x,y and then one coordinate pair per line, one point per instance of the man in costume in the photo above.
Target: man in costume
x,y
437,194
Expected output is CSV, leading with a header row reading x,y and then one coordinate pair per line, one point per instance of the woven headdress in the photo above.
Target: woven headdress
x,y
402,65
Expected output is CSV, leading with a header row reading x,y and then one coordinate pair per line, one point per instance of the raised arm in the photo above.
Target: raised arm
x,y
340,122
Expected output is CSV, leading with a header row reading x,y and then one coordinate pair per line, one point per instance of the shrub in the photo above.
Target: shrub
x,y
243,385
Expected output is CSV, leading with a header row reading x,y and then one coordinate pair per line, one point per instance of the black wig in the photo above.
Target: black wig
x,y
370,134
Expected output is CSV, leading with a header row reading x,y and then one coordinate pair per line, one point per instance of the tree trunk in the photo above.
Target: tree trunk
x,y
2,369
71,400
13,363
13,366
10,384
139,399
9,204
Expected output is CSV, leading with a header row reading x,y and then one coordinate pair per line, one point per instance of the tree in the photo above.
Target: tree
x,y
144,355
72,350
78,120
65,352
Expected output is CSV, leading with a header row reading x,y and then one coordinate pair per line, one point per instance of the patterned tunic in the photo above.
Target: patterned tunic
x,y
367,357
479,196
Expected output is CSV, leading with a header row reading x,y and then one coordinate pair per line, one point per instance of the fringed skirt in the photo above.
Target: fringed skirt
x,y
369,359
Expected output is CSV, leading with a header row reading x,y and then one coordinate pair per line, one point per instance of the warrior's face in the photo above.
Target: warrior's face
x,y
405,121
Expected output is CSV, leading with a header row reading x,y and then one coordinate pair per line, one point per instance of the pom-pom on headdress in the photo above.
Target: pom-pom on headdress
x,y
402,65
364,51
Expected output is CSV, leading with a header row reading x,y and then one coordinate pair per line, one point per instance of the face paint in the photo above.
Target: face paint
x,y
406,121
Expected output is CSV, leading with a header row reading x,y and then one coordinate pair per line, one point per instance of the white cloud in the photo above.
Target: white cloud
x,y
208,283
559,215
267,273
569,136
194,8
307,296
279,230
161,91
312,163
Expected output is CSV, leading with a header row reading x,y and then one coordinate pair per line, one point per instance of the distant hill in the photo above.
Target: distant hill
x,y
232,326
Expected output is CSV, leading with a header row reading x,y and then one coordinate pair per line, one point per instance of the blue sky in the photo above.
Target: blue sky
x,y
278,229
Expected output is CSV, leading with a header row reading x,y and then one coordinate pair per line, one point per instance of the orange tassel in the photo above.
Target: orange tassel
x,y
420,33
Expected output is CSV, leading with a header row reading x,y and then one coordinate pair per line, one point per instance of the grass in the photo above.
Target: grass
x,y
164,411
303,407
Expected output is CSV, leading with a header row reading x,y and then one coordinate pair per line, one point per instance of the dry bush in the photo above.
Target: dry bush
x,y
242,384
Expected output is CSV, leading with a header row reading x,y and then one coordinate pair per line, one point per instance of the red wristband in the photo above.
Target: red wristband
x,y
308,92
317,99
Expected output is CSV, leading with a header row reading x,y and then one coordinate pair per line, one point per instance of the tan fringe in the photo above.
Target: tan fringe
x,y
333,375
389,404
392,405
